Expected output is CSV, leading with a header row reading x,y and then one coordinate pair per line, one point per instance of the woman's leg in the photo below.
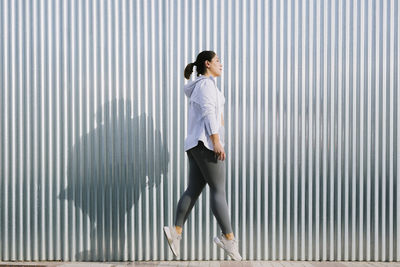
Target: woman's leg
x,y
190,196
213,171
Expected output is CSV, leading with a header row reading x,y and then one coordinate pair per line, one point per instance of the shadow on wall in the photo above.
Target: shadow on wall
x,y
108,169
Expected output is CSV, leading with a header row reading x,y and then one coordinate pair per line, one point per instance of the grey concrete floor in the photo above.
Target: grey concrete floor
x,y
206,264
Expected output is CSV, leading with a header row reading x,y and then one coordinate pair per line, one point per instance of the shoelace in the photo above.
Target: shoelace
x,y
234,243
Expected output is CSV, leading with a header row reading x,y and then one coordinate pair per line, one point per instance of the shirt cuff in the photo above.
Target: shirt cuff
x,y
211,124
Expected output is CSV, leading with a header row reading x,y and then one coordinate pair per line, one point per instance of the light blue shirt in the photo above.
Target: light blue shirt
x,y
206,107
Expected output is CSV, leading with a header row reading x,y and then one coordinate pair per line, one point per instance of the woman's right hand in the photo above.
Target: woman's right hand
x,y
219,150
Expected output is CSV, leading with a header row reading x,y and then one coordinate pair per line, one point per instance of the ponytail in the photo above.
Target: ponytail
x,y
189,70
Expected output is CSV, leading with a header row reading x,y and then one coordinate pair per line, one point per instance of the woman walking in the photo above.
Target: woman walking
x,y
204,146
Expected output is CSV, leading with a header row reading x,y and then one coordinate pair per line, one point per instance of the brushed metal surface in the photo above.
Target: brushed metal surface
x,y
93,119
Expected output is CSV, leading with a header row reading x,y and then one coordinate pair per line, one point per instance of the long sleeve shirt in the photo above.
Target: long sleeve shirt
x,y
206,106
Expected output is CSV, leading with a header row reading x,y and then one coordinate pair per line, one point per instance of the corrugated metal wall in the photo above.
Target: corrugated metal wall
x,y
93,120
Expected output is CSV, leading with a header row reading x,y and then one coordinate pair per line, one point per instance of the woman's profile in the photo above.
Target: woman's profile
x,y
204,146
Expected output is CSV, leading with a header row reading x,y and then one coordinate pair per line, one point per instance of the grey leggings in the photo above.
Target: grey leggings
x,y
204,167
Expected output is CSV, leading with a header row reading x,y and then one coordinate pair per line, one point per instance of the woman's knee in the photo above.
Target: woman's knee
x,y
218,191
195,190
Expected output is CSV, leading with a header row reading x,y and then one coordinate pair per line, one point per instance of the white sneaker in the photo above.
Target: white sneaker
x,y
230,246
173,238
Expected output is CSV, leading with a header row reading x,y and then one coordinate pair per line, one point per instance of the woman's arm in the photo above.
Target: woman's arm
x,y
205,98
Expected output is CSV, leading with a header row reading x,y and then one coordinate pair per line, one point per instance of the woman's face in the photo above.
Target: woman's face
x,y
214,67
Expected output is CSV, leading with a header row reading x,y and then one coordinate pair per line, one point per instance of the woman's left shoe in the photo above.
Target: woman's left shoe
x,y
230,246
173,238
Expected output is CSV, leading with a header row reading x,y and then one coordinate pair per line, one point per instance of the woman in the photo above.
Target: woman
x,y
204,146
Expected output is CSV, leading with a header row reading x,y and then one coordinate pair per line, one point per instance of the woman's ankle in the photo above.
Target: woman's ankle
x,y
229,236
178,229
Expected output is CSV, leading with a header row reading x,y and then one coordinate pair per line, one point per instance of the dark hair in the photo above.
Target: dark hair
x,y
199,63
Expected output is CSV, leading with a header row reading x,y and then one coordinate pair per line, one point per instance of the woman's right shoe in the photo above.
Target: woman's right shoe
x,y
173,239
230,246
